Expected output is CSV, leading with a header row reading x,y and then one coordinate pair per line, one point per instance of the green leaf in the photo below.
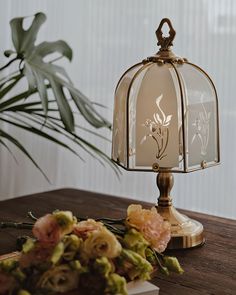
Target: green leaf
x,y
85,145
9,150
91,149
7,88
23,40
35,111
38,71
21,147
86,108
29,73
16,99
46,48
38,132
42,91
102,155
63,105
9,78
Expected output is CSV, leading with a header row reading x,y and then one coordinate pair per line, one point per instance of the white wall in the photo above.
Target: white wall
x,y
107,37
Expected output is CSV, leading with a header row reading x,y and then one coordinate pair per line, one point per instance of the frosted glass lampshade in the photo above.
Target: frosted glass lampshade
x,y
165,117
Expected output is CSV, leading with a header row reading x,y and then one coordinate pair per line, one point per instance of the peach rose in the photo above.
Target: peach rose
x,y
83,228
47,230
152,226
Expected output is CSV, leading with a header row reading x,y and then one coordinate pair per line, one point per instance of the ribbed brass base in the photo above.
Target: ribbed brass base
x,y
185,232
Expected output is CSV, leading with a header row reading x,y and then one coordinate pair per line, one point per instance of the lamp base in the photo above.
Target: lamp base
x,y
185,232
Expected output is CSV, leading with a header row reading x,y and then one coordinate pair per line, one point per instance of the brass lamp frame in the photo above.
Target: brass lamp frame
x,y
185,232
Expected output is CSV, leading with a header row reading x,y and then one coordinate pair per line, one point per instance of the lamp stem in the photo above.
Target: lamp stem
x,y
165,182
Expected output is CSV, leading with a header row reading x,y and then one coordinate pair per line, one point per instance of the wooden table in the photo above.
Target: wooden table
x,y
210,269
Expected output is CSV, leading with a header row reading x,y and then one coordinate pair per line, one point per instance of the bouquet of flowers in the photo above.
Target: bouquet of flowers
x,y
90,256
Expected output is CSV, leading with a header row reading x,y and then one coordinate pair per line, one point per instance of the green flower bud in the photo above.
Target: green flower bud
x,y
57,253
172,264
28,245
66,220
76,265
135,265
116,285
103,266
135,241
150,256
8,265
71,246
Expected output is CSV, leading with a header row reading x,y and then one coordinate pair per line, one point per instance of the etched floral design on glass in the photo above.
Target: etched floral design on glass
x,y
201,126
117,133
158,130
132,121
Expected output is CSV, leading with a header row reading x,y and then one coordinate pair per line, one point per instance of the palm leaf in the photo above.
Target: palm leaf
x,y
54,127
8,149
25,109
77,126
91,149
7,88
15,142
15,99
38,132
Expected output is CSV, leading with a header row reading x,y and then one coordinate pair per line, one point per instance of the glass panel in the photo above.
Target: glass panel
x,y
154,118
201,117
119,120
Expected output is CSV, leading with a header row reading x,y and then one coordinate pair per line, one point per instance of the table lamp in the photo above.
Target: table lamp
x,y
166,120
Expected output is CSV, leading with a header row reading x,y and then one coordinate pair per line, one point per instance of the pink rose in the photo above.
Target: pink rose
x,y
83,228
7,284
47,230
152,226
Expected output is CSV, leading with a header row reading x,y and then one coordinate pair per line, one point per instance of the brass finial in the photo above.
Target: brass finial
x,y
165,53
165,42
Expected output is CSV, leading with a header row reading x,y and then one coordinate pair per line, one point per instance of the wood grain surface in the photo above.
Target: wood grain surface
x,y
210,269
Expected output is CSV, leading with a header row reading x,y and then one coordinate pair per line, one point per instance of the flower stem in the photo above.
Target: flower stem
x,y
163,269
112,220
18,225
105,220
114,229
32,216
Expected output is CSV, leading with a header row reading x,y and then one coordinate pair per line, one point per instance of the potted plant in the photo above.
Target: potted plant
x,y
46,107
